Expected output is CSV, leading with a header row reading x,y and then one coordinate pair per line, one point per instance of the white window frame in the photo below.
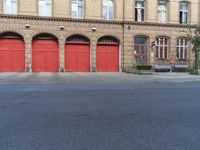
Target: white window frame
x,y
162,11
182,45
108,9
75,8
45,12
184,19
10,7
164,46
139,10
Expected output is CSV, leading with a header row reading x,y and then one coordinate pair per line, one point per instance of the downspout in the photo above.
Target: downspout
x,y
123,25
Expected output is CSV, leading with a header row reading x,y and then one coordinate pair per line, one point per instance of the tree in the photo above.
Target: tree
x,y
194,38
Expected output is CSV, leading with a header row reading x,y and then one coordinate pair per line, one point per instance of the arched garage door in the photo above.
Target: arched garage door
x,y
45,50
107,55
12,53
77,54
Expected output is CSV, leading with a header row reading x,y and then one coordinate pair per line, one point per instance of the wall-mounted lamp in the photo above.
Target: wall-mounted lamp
x,y
129,27
62,27
94,29
27,26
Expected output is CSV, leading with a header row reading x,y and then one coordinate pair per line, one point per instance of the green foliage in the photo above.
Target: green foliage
x,y
194,38
143,67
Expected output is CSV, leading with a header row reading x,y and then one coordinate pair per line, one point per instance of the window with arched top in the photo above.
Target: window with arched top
x,y
77,38
140,48
77,8
162,46
45,8
108,9
162,11
10,7
183,13
182,48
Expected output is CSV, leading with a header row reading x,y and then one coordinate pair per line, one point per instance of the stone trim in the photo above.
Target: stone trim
x,y
95,21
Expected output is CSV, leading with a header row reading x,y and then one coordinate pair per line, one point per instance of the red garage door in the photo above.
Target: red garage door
x,y
107,57
12,53
77,54
45,55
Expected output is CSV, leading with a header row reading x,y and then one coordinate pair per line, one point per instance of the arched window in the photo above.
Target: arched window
x,y
45,8
184,9
140,48
162,11
162,46
77,38
10,7
77,8
108,9
182,48
139,10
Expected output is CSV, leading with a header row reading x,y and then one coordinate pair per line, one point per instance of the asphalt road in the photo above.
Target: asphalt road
x,y
114,116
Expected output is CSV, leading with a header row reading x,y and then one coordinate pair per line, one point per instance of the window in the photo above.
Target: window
x,y
182,48
77,8
183,13
108,9
45,8
139,10
140,47
10,6
162,48
162,11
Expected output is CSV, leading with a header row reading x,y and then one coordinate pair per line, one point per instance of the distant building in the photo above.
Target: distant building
x,y
94,35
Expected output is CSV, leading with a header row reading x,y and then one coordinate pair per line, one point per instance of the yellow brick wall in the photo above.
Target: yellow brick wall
x,y
61,8
28,7
93,9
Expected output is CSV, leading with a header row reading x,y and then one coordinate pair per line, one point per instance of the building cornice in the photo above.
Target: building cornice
x,y
26,17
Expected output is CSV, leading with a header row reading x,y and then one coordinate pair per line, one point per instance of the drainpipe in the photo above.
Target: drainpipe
x,y
123,25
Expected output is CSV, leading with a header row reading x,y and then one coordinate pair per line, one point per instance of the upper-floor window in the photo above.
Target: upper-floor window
x,y
183,13
77,8
45,8
182,48
108,9
162,11
10,6
162,48
139,10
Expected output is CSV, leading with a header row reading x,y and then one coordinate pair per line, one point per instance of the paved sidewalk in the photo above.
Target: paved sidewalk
x,y
96,78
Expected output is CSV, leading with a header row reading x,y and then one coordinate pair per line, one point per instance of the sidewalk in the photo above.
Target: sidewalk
x,y
99,78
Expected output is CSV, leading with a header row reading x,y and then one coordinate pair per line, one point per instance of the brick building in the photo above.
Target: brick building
x,y
94,35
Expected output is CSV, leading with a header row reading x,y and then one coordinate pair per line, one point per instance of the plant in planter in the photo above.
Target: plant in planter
x,y
142,69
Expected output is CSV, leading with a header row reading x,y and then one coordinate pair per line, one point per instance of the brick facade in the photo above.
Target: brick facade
x,y
123,27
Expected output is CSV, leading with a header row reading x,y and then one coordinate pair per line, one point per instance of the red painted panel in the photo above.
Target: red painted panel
x,y
12,55
77,57
107,58
45,56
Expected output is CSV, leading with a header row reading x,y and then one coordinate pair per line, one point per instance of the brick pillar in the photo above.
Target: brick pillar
x,y
93,47
28,53
152,51
61,54
172,51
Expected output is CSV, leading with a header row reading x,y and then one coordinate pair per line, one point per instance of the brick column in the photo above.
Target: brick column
x,y
152,51
172,51
93,46
61,53
28,53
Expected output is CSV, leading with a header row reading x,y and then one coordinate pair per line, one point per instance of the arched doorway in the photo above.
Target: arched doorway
x,y
45,50
12,52
77,54
107,55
